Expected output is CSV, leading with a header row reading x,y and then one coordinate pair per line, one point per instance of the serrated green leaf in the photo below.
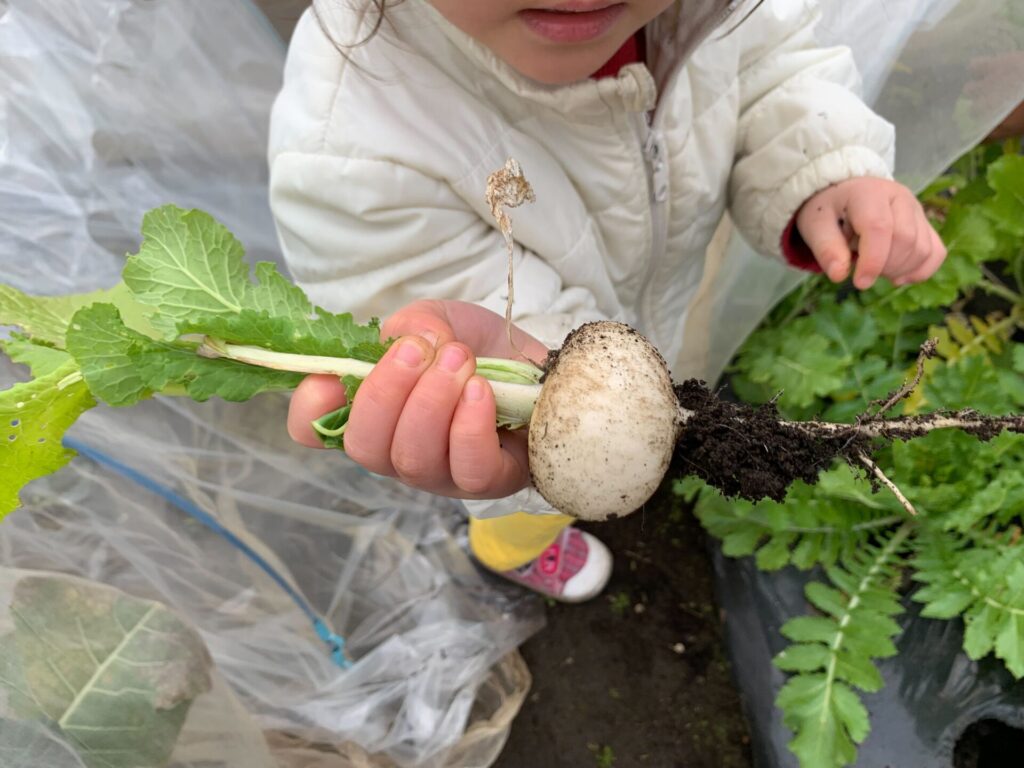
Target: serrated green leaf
x,y
116,675
122,367
810,629
869,634
851,712
775,553
1009,644
45,319
825,714
742,542
806,657
1006,177
848,327
944,603
193,270
981,627
807,553
826,599
188,265
858,671
40,358
33,418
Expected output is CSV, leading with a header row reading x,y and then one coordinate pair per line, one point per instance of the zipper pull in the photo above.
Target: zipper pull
x,y
654,152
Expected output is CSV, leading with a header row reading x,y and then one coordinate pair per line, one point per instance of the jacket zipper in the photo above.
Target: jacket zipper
x,y
656,165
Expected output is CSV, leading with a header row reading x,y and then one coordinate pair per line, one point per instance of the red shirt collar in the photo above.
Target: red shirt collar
x,y
631,52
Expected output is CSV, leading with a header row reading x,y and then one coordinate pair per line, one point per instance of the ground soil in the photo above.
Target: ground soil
x,y
637,678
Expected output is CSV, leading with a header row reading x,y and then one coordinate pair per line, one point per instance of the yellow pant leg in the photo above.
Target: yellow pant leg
x,y
504,543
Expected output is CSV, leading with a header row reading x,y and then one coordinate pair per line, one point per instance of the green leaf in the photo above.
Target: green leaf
x,y
802,367
838,651
122,367
944,603
33,419
115,674
826,599
858,671
849,328
980,631
193,270
986,575
827,718
1006,177
45,319
188,265
803,658
741,542
40,358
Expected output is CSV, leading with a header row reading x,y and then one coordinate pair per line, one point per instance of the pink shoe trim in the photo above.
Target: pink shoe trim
x,y
555,566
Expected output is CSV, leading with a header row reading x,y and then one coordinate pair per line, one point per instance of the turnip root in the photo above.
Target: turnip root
x,y
605,425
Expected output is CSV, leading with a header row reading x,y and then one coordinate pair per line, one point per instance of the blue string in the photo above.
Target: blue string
x,y
335,642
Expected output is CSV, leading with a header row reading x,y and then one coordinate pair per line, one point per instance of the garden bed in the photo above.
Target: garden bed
x,y
638,676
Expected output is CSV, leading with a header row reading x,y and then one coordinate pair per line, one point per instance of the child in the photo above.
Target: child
x,y
639,123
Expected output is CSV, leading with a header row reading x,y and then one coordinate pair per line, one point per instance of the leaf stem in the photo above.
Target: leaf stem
x,y
515,401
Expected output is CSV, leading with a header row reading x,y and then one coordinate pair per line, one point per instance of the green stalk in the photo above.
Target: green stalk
x,y
514,383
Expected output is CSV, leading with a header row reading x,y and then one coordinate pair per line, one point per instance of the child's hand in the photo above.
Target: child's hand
x,y
895,237
422,415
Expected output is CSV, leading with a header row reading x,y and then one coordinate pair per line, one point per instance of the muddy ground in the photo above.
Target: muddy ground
x,y
637,678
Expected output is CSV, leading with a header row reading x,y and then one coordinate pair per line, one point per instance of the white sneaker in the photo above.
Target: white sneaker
x,y
573,569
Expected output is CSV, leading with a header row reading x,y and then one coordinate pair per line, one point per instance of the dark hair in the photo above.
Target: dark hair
x,y
378,22
739,23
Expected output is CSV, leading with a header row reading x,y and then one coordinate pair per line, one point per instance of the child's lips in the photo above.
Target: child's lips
x,y
573,22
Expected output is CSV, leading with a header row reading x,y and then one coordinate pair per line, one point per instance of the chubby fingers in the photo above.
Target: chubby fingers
x,y
425,318
824,229
380,401
484,463
430,422
871,217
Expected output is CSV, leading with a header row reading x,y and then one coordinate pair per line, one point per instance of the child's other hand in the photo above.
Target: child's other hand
x,y
894,237
422,415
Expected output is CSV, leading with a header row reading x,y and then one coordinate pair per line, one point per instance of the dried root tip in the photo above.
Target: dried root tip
x,y
884,480
927,352
508,187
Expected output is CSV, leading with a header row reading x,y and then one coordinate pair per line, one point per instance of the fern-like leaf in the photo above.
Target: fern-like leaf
x,y
833,653
980,577
819,525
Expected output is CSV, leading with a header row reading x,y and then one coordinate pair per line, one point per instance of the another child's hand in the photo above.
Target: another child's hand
x,y
422,415
895,238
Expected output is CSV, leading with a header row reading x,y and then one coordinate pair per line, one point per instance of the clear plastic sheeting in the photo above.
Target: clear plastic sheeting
x,y
944,72
380,563
109,108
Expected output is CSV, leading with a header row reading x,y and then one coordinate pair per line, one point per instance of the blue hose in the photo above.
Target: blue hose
x,y
335,642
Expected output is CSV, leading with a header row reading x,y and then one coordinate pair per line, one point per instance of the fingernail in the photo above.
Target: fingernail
x,y
430,336
410,353
452,358
474,390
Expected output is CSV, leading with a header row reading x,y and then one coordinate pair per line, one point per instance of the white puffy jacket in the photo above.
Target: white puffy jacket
x,y
378,163
379,158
